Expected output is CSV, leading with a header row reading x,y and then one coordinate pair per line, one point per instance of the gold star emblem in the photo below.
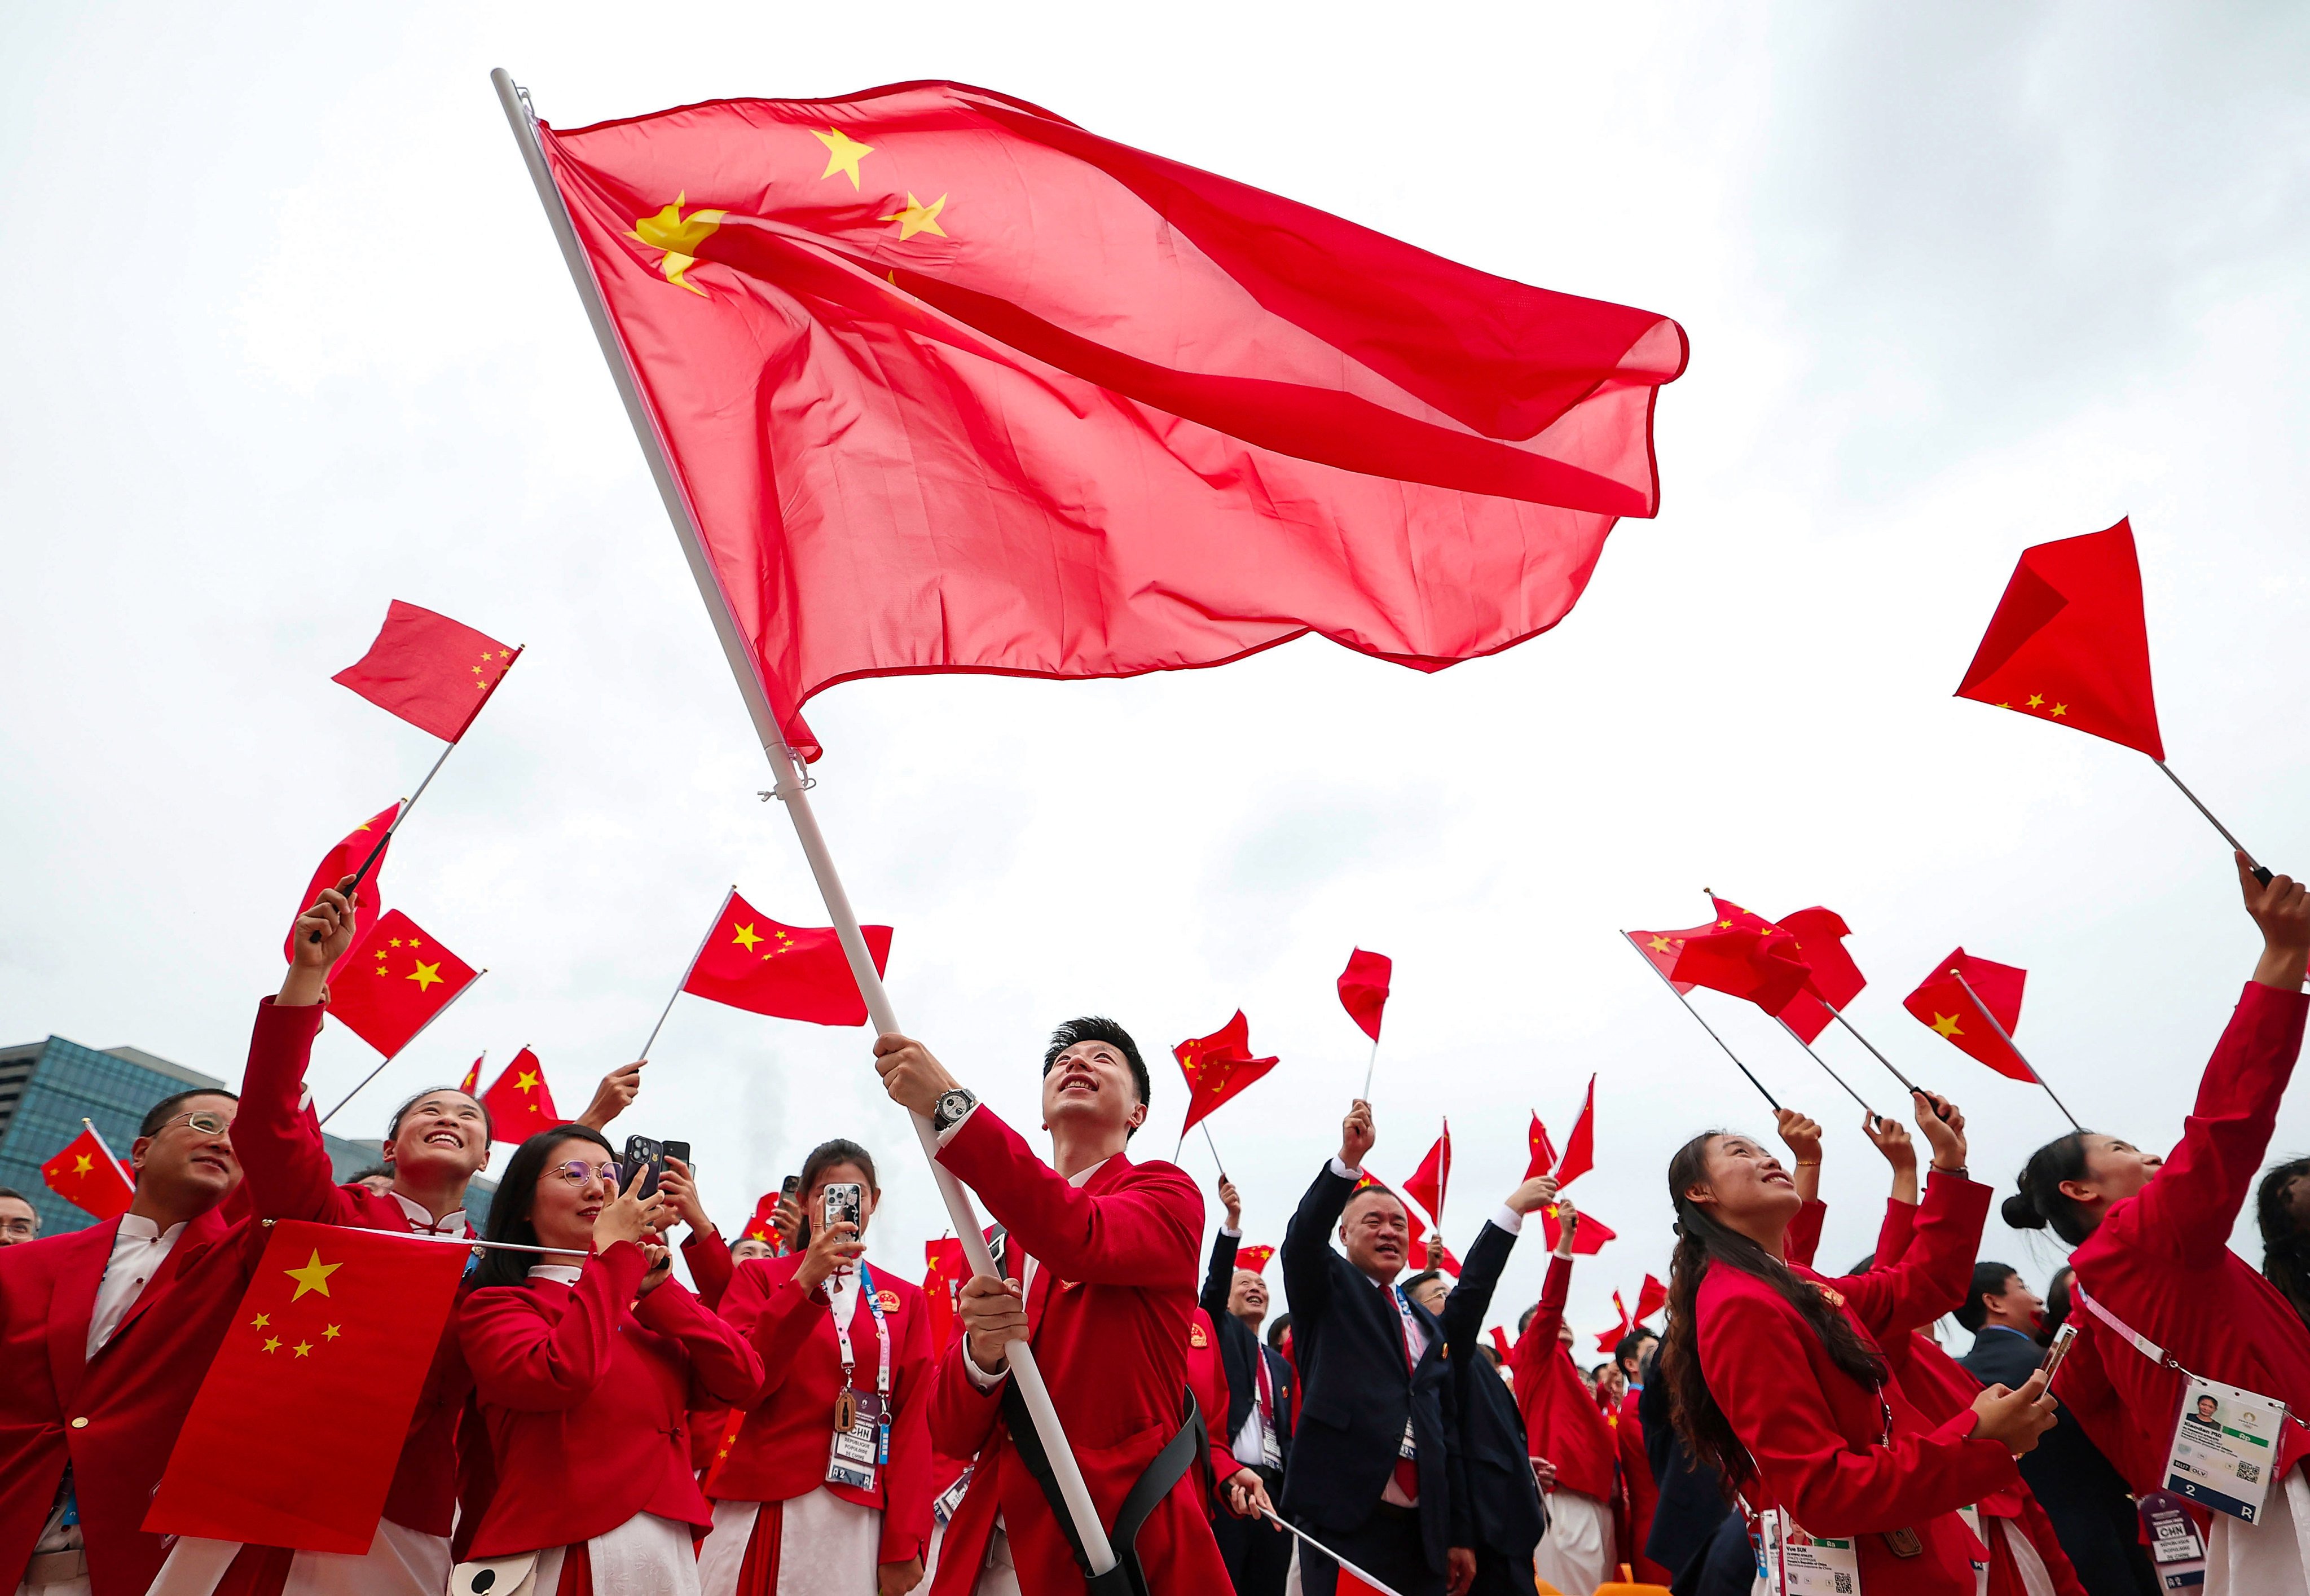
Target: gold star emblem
x,y
415,943
917,218
678,236
329,1332
747,937
2005,706
426,974
528,1079
505,653
1725,925
843,154
396,942
2061,709
260,1322
1658,944
83,1164
1947,1025
302,1348
2035,699
312,1277
272,1343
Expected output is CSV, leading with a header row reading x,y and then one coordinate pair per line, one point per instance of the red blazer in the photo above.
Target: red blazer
x,y
1117,1270
587,1394
2161,1262
1561,1422
711,1269
781,1448
288,1177
115,1417
1817,1437
1209,1379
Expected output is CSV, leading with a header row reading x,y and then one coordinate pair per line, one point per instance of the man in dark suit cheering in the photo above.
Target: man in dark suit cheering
x,y
1374,1473
1261,1401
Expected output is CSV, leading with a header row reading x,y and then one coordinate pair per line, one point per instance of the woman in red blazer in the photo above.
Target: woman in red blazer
x,y
791,1515
584,1367
1776,1379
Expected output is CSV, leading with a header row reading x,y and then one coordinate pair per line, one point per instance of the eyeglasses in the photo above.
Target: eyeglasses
x,y
207,1122
579,1173
15,1227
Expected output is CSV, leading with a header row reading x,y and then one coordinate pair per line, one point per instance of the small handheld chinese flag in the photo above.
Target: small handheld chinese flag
x,y
1363,989
391,983
472,1084
1761,964
1253,1259
1592,1233
1818,935
519,1102
946,1274
764,1225
300,1422
1610,1339
1428,1183
1580,1147
341,862
430,671
1651,1297
1942,1002
1500,1343
87,1176
1218,1067
2069,643
1543,1150
789,972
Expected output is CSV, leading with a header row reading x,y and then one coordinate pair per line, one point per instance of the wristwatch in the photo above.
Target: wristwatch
x,y
950,1108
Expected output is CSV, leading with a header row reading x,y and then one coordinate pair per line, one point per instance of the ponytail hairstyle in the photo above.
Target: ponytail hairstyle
x,y
2286,1247
2041,1202
1704,1243
517,1194
822,1157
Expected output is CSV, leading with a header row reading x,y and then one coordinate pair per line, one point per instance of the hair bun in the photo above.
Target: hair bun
x,y
2021,1214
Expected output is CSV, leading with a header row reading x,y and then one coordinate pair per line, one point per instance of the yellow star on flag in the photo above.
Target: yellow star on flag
x,y
396,942
2061,709
427,974
302,1348
843,153
312,1277
747,937
528,1077
272,1343
2035,699
260,1322
678,236
918,217
1947,1025
1659,944
330,1332
83,1163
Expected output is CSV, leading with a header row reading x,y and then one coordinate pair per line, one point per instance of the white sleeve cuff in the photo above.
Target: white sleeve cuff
x,y
947,1136
1343,1171
1231,1235
1509,1220
979,1377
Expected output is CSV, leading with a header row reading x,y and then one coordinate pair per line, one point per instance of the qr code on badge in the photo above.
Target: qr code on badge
x,y
2249,1472
1844,1585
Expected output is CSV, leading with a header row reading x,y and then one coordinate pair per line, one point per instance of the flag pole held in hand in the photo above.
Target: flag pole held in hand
x,y
793,789
1629,938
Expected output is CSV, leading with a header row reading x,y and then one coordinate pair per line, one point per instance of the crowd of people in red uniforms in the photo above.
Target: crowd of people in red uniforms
x,y
803,1421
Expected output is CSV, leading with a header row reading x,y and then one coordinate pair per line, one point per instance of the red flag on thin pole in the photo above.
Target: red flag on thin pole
x,y
788,971
1588,1239
1363,989
86,1175
1776,948
1610,1339
2068,644
390,984
1543,1151
310,1394
519,1102
1218,1067
1651,1297
1253,1259
432,671
1975,1004
1816,935
1744,962
1430,1182
370,836
1580,1147
472,1084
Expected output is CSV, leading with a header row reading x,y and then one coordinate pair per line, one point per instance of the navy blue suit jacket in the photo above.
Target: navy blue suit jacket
x,y
1503,1497
1239,1344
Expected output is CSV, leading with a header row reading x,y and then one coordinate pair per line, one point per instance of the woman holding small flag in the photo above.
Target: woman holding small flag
x,y
1777,1378
2165,1310
826,1489
584,1369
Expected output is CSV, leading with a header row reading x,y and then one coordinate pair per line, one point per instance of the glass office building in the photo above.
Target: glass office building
x,y
48,1087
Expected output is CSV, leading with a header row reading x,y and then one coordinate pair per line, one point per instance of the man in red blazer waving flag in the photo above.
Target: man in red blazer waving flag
x,y
1039,403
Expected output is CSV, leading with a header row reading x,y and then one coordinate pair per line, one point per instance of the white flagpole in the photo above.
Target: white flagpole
x,y
1373,1581
397,1052
687,971
1832,1074
793,787
2005,1036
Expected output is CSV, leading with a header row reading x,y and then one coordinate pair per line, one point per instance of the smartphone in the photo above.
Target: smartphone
x,y
844,1203
2064,1340
680,1150
649,1158
790,1187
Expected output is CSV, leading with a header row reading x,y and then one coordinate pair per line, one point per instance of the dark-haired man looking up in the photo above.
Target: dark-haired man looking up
x,y
1099,1278
104,1334
1373,1473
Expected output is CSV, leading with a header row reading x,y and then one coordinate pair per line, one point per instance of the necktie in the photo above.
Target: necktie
x,y
1407,1469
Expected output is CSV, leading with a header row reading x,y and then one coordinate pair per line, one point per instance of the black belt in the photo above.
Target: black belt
x,y
1164,1471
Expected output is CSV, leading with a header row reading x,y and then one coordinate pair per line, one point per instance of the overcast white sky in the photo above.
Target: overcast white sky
x,y
286,337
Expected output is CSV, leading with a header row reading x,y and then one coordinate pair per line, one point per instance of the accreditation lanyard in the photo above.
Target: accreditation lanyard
x,y
874,1304
1406,1448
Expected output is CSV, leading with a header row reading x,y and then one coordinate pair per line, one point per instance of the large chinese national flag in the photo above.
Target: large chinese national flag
x,y
790,972
86,1175
391,983
1218,1067
342,861
299,1424
952,384
2068,642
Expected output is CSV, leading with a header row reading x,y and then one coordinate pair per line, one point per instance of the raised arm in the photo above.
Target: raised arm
x,y
1307,1238
1933,1275
522,1361
724,1369
1466,1306
284,1164
1801,1137
1219,1279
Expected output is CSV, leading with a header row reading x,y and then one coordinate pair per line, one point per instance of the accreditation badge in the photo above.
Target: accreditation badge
x,y
855,1453
2174,1546
2225,1448
1798,1564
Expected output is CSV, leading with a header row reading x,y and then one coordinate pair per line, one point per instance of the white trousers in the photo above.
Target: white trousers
x,y
2036,1579
827,1546
400,1562
2269,1558
646,1555
1577,1554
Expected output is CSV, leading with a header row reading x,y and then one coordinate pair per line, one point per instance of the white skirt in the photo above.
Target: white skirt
x,y
826,1546
2270,1558
646,1555
1575,1554
400,1562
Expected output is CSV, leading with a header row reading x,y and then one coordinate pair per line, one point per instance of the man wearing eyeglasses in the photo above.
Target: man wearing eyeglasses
x,y
20,1221
104,1334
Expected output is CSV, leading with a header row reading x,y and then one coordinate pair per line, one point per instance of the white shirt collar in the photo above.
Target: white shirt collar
x,y
566,1273
449,1224
1080,1176
143,1230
